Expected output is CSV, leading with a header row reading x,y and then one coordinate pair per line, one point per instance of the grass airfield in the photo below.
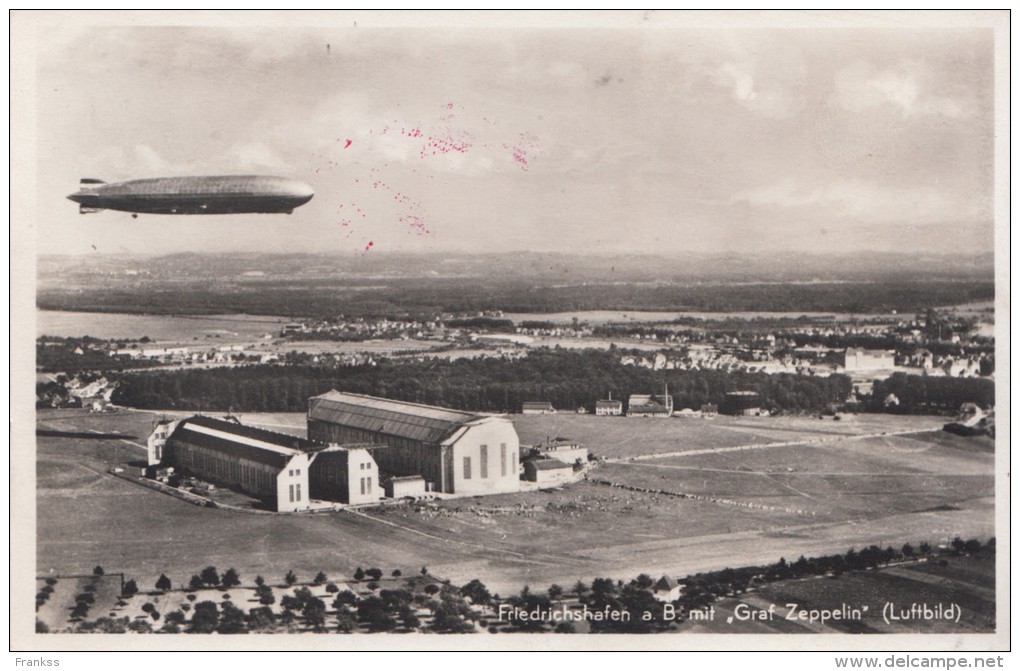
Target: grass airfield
x,y
724,492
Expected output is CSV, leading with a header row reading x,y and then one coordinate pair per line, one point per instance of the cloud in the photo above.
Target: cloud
x,y
768,82
742,82
863,200
116,163
906,86
149,160
256,155
272,45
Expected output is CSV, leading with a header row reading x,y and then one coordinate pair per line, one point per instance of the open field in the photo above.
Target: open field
x,y
383,347
840,493
865,477
55,611
629,437
595,343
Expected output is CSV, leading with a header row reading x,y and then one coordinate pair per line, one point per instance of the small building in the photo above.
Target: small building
x,y
746,403
97,405
856,358
130,353
405,485
537,408
547,471
862,389
566,451
157,440
609,407
970,414
161,474
655,405
667,589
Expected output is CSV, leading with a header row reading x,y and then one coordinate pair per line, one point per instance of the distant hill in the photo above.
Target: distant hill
x,y
315,285
607,268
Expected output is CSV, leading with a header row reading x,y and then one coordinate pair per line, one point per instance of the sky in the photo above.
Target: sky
x,y
642,137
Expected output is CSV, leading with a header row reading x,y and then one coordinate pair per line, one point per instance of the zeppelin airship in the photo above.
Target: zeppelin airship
x,y
225,194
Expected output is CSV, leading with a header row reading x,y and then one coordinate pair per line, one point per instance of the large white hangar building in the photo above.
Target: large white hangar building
x,y
267,465
284,471
456,452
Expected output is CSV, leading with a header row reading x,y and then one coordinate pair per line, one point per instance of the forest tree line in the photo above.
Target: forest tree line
x,y
567,379
919,394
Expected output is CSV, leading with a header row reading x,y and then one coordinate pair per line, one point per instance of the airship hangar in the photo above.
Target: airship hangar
x,y
225,194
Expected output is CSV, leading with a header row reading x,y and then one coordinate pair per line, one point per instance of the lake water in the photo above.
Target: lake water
x,y
638,316
111,326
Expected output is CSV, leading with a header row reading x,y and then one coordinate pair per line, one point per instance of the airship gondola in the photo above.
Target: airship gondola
x,y
226,194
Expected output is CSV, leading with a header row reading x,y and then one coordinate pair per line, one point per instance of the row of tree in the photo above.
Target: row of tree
x,y
567,378
919,394
210,577
451,608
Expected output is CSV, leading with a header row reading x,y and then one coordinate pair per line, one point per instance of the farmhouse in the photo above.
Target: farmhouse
x,y
455,452
667,589
547,471
609,407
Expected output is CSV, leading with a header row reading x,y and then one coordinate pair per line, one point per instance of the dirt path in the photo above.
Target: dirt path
x,y
761,446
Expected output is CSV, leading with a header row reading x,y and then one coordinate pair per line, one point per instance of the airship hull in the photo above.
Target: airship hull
x,y
230,194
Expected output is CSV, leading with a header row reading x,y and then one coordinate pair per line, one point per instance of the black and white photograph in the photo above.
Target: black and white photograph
x,y
493,330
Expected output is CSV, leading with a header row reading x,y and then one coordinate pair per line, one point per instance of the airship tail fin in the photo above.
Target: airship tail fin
x,y
85,209
90,181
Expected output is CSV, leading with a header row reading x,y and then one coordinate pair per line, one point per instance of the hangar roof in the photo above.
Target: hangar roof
x,y
244,442
423,423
